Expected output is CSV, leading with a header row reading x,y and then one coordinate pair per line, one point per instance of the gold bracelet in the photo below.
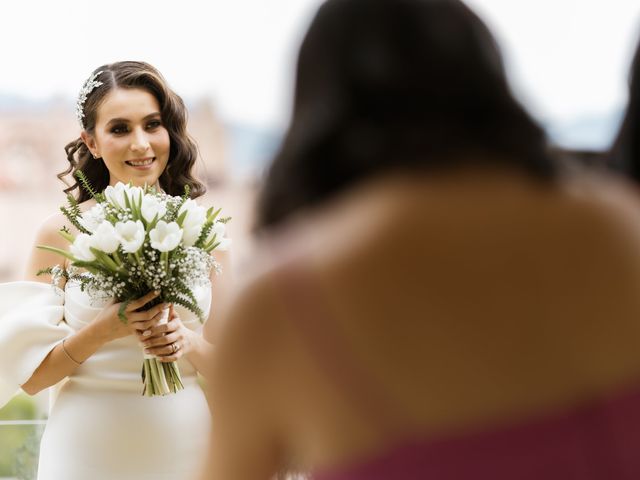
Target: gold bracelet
x,y
64,349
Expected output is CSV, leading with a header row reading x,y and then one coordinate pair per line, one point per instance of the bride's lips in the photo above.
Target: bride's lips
x,y
141,163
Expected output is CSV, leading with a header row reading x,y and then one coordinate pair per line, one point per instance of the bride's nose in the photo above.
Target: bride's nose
x,y
139,141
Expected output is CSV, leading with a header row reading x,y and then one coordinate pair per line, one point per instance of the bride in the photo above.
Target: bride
x,y
100,427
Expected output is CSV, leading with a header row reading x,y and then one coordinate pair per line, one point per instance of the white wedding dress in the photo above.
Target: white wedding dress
x,y
100,427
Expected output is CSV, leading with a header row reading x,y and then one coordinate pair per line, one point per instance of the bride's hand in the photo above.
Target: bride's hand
x,y
112,327
169,341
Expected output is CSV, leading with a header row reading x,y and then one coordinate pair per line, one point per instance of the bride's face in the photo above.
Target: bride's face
x,y
130,137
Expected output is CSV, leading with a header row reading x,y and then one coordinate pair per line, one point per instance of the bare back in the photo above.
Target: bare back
x,y
461,301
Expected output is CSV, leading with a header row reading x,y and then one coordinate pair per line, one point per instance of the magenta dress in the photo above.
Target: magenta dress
x,y
598,441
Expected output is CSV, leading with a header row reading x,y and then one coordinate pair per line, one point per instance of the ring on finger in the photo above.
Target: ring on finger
x,y
174,347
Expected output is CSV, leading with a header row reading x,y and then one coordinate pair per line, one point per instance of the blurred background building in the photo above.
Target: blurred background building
x,y
233,63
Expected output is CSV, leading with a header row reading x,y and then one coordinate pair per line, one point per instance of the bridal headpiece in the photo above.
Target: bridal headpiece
x,y
86,89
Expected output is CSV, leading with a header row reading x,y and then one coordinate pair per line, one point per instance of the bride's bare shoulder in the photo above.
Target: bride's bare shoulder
x,y
52,224
48,234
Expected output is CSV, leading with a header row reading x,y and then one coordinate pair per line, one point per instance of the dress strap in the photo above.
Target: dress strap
x,y
315,323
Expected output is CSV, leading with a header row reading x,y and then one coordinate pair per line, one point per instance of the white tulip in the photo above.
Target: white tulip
x,y
131,235
193,221
105,238
115,195
225,243
218,229
92,218
191,235
81,248
134,194
151,207
165,236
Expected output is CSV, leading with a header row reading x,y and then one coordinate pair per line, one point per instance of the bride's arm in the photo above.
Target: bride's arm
x,y
65,358
58,363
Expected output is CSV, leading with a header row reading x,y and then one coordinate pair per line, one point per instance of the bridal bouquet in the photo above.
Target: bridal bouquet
x,y
136,240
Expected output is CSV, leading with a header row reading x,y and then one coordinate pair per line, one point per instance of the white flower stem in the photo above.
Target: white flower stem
x,y
160,378
164,256
117,259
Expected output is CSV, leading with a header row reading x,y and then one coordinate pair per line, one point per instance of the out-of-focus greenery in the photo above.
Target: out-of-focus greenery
x,y
19,443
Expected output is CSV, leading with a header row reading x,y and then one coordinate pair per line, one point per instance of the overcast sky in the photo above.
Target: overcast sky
x,y
567,57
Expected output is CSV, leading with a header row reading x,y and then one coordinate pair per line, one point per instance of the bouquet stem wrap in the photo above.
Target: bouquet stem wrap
x,y
160,378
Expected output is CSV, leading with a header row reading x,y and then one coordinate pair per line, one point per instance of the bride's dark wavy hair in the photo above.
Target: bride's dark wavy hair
x,y
396,84
183,151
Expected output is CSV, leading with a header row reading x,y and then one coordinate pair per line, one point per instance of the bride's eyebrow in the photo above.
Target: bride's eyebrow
x,y
126,120
117,120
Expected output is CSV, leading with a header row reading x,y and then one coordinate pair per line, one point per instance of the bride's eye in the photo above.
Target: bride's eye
x,y
119,129
153,124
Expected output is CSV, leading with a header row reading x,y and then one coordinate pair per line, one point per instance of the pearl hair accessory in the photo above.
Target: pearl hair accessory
x,y
87,88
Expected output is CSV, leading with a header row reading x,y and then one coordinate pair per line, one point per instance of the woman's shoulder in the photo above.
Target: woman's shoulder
x,y
50,226
598,188
603,203
48,234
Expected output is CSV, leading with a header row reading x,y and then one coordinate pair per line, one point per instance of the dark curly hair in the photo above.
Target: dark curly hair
x,y
624,156
183,151
396,84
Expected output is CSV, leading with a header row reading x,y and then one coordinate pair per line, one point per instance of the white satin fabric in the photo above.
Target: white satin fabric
x,y
100,427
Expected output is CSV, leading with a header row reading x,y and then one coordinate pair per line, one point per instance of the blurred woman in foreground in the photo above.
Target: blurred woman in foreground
x,y
435,299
